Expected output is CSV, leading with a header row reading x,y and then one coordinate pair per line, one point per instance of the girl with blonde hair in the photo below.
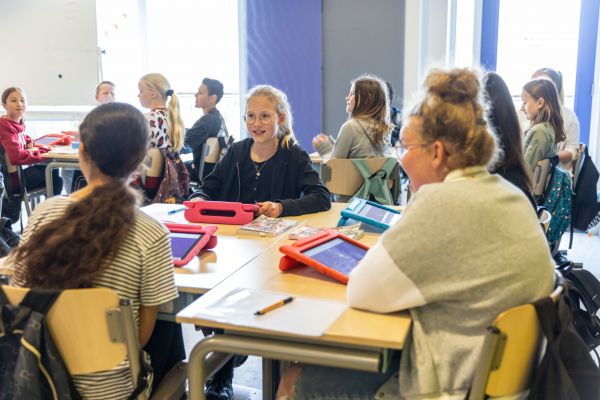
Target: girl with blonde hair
x,y
166,125
268,168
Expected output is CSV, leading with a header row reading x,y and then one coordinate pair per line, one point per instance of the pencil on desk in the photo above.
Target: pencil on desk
x,y
274,306
176,211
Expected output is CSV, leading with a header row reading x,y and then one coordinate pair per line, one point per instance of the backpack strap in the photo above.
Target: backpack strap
x,y
375,184
40,300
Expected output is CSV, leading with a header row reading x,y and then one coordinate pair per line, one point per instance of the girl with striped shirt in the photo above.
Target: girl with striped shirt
x,y
96,237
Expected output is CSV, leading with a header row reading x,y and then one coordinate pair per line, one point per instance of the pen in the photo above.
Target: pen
x,y
176,211
274,306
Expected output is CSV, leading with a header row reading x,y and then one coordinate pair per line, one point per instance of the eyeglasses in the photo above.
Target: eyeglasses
x,y
264,117
402,149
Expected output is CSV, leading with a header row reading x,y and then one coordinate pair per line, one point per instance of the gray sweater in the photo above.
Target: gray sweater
x,y
355,140
463,251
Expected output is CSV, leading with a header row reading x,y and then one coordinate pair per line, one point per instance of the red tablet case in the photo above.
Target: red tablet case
x,y
220,212
208,241
61,139
294,253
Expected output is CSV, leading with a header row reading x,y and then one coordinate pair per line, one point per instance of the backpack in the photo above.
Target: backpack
x,y
375,186
225,140
585,203
566,371
30,365
175,184
584,295
558,199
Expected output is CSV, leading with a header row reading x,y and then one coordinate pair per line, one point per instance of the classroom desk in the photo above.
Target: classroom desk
x,y
59,157
357,339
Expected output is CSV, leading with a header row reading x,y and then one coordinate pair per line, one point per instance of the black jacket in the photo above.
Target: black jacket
x,y
295,184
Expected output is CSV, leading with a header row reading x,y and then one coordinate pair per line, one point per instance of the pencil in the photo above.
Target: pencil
x,y
274,306
176,211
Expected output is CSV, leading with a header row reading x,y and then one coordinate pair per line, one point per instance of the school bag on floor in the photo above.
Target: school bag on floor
x,y
31,367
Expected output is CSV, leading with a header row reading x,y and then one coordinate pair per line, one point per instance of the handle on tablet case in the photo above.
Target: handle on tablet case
x,y
220,212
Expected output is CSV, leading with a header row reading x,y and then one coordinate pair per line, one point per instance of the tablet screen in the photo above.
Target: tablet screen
x,y
379,214
44,141
337,254
182,243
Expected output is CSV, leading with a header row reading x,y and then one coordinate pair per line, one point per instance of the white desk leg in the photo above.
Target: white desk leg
x,y
48,173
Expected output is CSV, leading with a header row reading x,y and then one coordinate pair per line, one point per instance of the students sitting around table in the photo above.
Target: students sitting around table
x,y
270,169
97,236
466,248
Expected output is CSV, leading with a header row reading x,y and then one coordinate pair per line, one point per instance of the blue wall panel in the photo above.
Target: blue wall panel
x,y
284,49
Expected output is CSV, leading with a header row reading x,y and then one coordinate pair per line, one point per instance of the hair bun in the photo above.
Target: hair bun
x,y
456,86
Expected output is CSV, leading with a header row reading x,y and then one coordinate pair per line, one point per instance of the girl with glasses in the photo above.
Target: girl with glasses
x,y
269,168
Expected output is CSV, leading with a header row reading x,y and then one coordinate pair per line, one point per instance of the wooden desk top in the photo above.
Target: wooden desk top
x,y
66,153
315,158
262,273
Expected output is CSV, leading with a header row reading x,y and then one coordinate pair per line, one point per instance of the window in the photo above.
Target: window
x,y
185,40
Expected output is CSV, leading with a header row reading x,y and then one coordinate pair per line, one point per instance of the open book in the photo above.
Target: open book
x,y
265,226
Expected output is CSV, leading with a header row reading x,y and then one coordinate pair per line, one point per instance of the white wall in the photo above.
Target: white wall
x,y
49,50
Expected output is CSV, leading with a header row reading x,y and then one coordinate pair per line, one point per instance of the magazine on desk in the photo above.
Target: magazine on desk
x,y
352,231
266,226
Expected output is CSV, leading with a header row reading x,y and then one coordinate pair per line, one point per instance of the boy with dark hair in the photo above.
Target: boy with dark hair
x,y
211,124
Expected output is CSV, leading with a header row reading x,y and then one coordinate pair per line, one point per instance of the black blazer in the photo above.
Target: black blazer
x,y
295,184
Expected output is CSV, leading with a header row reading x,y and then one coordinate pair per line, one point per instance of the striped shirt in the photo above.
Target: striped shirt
x,y
141,271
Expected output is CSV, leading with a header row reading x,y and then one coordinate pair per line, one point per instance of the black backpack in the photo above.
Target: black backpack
x,y
30,365
585,203
584,300
566,371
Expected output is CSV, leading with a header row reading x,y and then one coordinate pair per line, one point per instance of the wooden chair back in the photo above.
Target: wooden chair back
x,y
512,349
81,329
341,177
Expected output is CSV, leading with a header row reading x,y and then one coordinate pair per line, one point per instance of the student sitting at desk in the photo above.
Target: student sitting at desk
x,y
18,147
96,237
269,168
466,248
366,133
210,125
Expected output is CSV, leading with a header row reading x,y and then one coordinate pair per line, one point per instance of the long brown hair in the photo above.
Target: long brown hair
x,y
371,103
72,251
545,89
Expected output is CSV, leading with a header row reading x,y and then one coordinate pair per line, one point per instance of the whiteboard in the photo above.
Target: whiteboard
x,y
49,49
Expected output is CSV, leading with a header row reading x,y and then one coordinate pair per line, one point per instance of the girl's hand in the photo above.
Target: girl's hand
x,y
32,149
270,209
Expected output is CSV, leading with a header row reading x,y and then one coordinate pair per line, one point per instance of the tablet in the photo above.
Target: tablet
x,y
188,240
53,139
220,212
329,252
370,213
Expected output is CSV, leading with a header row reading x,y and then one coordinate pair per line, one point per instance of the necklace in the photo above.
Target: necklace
x,y
259,169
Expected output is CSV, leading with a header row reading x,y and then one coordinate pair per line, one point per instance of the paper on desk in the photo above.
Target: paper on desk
x,y
303,316
160,212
